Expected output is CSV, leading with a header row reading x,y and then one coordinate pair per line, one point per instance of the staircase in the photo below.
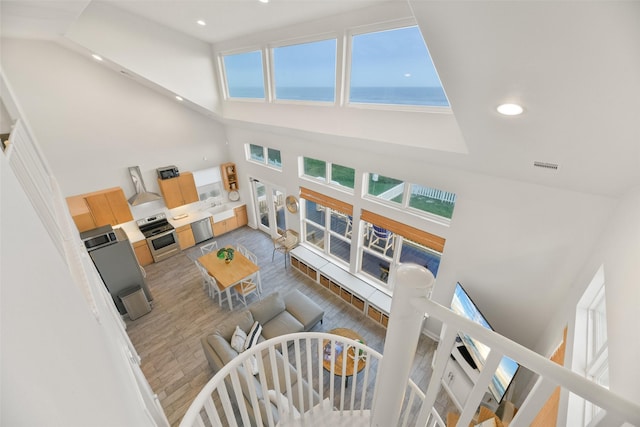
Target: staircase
x,y
381,394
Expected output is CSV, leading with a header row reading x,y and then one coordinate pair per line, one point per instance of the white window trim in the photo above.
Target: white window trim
x,y
404,205
326,181
265,153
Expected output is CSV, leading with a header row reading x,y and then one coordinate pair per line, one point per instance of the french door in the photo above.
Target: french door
x,y
269,206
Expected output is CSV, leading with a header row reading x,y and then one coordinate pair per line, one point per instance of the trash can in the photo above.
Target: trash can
x,y
135,302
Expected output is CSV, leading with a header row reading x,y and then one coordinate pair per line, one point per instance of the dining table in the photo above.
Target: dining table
x,y
228,274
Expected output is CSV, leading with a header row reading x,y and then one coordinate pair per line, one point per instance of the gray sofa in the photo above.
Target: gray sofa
x,y
278,315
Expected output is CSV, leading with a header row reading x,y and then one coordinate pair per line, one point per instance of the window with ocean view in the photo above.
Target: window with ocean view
x,y
306,72
394,67
244,76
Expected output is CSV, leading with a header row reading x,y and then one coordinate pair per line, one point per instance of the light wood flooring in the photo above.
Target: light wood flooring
x,y
168,338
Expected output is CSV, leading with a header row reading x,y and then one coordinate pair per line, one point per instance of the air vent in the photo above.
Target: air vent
x,y
544,165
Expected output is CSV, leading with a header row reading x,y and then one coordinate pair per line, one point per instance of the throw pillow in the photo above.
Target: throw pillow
x,y
281,401
253,335
238,340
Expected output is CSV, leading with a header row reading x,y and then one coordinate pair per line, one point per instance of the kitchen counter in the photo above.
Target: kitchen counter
x,y
220,211
196,213
133,232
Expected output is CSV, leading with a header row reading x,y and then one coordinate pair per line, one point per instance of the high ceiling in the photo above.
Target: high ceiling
x,y
575,67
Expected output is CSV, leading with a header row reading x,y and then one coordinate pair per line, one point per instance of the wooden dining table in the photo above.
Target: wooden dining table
x,y
228,275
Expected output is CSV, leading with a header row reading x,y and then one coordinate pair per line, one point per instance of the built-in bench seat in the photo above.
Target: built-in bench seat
x,y
355,291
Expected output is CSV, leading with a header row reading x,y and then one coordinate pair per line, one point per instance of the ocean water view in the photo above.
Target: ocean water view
x,y
425,96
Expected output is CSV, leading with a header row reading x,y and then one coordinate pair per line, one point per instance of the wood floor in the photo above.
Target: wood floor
x,y
168,338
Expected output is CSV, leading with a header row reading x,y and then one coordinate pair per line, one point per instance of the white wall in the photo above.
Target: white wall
x,y
618,251
93,123
59,365
516,247
179,63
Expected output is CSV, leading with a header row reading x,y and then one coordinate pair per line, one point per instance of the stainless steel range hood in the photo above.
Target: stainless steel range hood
x,y
142,195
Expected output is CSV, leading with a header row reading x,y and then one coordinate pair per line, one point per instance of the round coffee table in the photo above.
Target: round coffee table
x,y
351,367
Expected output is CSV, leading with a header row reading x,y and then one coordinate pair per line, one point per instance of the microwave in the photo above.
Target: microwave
x,y
168,172
98,237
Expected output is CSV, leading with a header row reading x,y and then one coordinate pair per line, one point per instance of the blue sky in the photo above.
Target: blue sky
x,y
396,58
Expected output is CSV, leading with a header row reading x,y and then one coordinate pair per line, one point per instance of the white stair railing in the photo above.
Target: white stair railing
x,y
232,397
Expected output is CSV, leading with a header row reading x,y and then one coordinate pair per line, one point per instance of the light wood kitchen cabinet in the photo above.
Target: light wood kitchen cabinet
x,y
225,226
240,219
105,207
229,176
185,237
241,216
179,191
143,253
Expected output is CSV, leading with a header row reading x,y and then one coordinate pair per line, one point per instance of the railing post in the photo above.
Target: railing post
x,y
403,332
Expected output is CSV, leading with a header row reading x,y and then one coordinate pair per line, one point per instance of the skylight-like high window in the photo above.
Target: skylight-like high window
x,y
394,67
306,72
244,76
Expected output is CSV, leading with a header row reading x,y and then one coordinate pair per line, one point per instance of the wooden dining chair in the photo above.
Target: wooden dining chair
x,y
285,243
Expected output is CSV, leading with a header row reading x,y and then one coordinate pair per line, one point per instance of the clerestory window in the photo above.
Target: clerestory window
x,y
394,67
306,72
243,75
412,196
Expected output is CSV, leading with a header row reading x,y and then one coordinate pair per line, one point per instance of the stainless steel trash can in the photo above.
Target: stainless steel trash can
x,y
135,302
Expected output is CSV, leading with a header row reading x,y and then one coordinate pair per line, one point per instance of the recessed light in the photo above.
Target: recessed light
x,y
96,57
179,98
510,109
263,1
201,22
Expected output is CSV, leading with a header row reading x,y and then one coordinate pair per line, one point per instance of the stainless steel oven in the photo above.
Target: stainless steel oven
x,y
162,238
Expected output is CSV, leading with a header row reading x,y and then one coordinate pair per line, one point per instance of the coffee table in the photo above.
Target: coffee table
x,y
351,367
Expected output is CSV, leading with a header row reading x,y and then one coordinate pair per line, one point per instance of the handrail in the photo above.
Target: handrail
x,y
554,374
307,349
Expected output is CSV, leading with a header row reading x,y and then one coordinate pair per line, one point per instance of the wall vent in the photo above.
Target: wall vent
x,y
544,165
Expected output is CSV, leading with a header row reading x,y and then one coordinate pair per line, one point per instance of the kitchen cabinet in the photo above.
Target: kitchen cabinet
x,y
104,207
179,191
143,253
185,237
229,176
225,226
241,215
229,224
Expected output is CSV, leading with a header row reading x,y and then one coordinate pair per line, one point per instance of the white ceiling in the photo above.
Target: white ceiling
x,y
575,66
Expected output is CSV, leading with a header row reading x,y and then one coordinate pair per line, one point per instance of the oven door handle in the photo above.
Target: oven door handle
x,y
155,236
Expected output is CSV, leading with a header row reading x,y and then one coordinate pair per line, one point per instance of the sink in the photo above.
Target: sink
x,y
220,213
217,209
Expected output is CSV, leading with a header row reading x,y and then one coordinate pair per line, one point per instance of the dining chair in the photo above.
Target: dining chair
x,y
349,226
242,249
255,276
247,287
210,284
381,238
209,247
284,243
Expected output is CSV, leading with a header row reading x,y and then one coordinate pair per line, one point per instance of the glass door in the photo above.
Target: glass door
x,y
269,206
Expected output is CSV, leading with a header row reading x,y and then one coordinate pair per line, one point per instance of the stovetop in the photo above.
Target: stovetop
x,y
153,225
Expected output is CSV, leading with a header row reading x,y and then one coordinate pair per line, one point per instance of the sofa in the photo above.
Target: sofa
x,y
278,315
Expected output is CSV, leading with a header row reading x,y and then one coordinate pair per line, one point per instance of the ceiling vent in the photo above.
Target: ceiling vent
x,y
544,165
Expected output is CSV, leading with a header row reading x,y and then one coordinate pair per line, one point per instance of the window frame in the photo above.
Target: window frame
x,y
406,198
375,28
328,232
265,154
327,180
270,47
224,81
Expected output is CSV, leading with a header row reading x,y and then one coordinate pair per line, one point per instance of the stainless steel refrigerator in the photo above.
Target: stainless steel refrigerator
x,y
119,269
